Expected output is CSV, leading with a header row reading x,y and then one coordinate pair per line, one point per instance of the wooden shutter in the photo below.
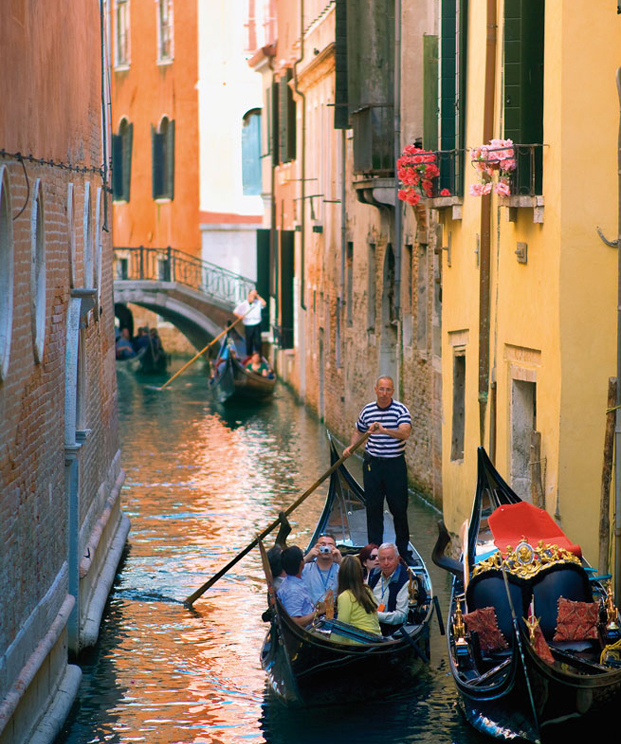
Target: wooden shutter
x,y
169,153
263,273
275,128
117,166
128,140
430,92
341,114
287,119
286,287
157,164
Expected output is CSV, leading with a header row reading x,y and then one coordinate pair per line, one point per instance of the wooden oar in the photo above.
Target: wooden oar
x,y
194,358
201,590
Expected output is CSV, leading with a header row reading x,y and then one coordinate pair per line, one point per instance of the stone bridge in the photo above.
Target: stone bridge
x,y
194,295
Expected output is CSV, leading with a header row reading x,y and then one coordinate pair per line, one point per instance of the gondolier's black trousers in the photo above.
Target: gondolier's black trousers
x,y
253,338
387,478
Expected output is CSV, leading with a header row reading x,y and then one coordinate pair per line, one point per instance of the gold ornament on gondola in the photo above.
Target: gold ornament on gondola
x,y
525,562
459,627
612,614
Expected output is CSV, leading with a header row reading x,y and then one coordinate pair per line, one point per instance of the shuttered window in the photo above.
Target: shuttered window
x,y
341,114
251,153
163,160
523,94
287,119
122,161
275,124
287,277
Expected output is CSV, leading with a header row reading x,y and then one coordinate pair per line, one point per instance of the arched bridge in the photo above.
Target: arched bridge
x,y
196,296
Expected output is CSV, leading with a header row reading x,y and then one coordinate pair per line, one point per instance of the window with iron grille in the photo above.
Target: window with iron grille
x,y
122,161
164,30
121,33
163,160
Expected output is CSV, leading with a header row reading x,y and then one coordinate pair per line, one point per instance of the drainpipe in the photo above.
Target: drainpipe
x,y
343,223
617,446
104,142
486,214
303,158
397,146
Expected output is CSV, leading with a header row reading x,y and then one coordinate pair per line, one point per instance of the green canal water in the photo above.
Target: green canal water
x,y
201,482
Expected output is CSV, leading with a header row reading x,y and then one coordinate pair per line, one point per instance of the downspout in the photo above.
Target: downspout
x,y
303,159
104,140
397,147
486,214
343,223
617,445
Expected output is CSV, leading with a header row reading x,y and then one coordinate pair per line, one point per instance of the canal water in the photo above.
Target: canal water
x,y
201,482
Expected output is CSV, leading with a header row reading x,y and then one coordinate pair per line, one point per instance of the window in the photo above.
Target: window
x,y
523,94
251,153
71,234
349,280
6,271
87,231
523,424
122,161
163,165
121,36
287,119
459,404
37,272
164,31
371,288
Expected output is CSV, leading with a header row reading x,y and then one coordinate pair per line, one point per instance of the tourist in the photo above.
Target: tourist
x,y
293,592
368,560
321,568
356,603
390,585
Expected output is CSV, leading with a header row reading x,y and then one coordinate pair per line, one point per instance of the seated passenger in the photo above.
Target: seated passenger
x,y
273,556
258,365
322,568
356,603
390,588
293,592
142,339
368,559
124,348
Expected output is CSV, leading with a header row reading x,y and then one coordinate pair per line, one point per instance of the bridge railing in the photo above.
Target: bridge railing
x,y
172,265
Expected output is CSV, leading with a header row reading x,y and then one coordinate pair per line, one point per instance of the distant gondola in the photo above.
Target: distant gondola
x,y
551,656
145,362
314,665
231,381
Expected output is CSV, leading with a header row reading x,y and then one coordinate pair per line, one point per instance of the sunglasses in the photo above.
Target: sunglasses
x,y
372,557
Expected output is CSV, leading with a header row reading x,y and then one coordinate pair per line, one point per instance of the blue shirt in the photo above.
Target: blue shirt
x,y
382,445
295,597
319,582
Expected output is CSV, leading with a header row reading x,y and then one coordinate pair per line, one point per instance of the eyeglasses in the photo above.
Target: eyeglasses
x,y
372,557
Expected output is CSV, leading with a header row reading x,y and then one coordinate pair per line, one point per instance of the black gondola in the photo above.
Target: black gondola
x,y
311,666
561,666
231,380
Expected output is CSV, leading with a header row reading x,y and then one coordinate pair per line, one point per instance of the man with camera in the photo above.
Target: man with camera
x,y
321,568
293,592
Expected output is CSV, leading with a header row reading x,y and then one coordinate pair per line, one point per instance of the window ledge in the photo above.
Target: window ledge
x,y
165,62
162,200
378,192
520,201
120,201
446,202
123,67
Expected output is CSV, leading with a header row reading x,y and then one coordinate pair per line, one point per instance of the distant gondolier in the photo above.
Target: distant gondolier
x,y
250,311
384,471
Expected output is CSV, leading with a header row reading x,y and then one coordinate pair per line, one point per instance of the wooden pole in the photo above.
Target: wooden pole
x,y
604,503
202,589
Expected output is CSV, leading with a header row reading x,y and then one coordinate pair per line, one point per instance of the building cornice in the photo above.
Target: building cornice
x,y
319,67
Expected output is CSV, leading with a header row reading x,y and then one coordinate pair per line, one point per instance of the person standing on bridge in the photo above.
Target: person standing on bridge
x,y
250,311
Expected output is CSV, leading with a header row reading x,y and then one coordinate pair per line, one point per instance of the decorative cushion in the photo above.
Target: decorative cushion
x,y
576,621
541,646
484,622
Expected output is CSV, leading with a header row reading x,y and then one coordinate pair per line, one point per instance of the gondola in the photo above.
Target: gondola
x,y
556,666
231,381
313,665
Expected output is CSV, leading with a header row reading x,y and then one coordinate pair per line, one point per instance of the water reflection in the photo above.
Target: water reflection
x,y
202,481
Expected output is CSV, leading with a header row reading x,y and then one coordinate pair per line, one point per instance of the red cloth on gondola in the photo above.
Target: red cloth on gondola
x,y
511,523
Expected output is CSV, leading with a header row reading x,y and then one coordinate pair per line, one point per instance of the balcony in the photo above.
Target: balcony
x,y
374,153
448,187
526,183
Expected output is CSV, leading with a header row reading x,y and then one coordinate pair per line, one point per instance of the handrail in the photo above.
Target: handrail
x,y
172,265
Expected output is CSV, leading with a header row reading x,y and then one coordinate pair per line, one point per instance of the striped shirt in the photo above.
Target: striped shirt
x,y
382,445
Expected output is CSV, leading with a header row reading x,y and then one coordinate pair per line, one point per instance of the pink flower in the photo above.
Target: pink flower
x,y
445,192
476,189
503,188
402,194
413,198
486,188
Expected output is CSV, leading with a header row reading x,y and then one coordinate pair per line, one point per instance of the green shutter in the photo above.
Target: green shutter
x,y
275,129
170,160
286,287
287,119
263,272
430,92
341,116
117,166
157,164
127,161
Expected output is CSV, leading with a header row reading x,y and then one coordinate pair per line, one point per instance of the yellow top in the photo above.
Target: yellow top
x,y
352,612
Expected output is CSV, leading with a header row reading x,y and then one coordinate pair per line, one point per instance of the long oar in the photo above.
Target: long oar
x,y
201,590
194,358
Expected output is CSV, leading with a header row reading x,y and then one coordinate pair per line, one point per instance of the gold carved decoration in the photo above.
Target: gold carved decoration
x,y
525,562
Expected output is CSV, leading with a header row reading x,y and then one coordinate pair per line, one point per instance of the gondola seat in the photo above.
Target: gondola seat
x,y
569,581
488,590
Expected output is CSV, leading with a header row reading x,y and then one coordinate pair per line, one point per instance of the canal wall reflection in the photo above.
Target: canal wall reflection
x,y
201,483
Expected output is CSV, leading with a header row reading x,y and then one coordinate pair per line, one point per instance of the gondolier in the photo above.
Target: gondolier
x,y
250,311
384,471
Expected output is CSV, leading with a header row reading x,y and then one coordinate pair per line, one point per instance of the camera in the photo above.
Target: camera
x,y
325,549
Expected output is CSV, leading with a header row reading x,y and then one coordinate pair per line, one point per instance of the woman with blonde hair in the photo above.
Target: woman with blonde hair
x,y
356,603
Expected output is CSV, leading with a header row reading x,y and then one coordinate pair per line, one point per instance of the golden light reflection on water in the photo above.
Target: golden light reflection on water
x,y
201,483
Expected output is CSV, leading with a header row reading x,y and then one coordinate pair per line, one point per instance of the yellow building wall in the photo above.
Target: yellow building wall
x,y
552,320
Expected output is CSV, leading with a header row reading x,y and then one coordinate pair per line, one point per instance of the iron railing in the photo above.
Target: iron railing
x,y
172,265
451,178
527,178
